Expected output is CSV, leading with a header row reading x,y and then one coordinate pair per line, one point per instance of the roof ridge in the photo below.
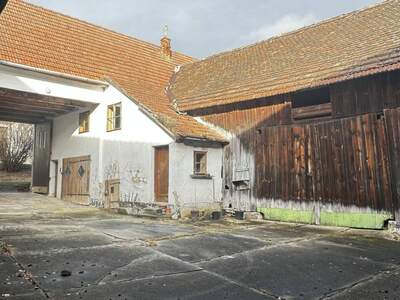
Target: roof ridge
x,y
349,46
285,34
123,35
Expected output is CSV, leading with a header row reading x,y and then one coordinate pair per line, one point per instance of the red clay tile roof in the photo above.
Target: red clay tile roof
x,y
34,36
349,46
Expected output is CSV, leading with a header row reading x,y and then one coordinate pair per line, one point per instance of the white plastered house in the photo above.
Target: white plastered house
x,y
106,133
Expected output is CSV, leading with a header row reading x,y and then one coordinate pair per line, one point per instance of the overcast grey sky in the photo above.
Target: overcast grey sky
x,y
203,27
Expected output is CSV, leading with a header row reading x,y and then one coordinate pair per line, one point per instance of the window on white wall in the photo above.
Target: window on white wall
x,y
114,117
200,163
84,122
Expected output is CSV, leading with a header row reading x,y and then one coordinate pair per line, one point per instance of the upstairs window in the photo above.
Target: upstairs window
x,y
114,117
312,104
84,122
200,163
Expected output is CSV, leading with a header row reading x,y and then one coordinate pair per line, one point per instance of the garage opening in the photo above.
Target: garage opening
x,y
22,115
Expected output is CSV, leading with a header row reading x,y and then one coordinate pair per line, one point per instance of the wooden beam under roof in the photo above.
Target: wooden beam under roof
x,y
20,118
12,112
25,109
32,104
44,99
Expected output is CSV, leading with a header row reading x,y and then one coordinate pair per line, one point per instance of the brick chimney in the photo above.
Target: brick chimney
x,y
166,44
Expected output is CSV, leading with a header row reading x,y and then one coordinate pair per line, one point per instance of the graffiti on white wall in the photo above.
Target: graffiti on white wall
x,y
133,184
138,177
111,171
96,202
97,190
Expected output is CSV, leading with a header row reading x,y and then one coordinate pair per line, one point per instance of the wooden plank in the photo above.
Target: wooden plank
x,y
302,166
372,161
307,165
348,165
393,131
314,111
339,189
33,104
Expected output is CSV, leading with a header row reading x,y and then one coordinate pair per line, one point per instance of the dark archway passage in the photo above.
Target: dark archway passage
x,y
38,110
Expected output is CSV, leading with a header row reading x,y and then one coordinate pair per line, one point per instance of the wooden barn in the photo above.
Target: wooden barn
x,y
313,119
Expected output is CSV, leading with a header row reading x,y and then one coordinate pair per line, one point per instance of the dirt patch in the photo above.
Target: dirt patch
x,y
4,248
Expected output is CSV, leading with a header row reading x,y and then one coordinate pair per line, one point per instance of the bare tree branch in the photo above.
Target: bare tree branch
x,y
16,144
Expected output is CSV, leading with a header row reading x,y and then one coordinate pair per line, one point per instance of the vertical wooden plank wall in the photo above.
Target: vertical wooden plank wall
x,y
370,94
392,117
343,162
350,160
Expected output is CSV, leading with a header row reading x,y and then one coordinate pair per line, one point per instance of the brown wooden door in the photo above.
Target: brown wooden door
x,y
112,193
161,172
75,179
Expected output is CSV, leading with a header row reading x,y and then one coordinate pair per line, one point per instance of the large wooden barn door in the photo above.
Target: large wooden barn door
x,y
75,179
392,117
161,173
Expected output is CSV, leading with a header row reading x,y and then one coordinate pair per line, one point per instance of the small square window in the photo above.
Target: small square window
x,y
84,122
114,117
312,104
200,163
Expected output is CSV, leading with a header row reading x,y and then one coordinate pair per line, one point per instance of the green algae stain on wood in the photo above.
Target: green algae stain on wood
x,y
288,215
342,219
355,220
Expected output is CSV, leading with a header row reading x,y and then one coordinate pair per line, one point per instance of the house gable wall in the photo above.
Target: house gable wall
x,y
126,154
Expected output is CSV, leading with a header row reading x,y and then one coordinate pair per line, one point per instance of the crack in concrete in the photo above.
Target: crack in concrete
x,y
175,237
237,283
266,247
242,285
68,250
347,288
114,236
121,268
156,276
26,274
155,254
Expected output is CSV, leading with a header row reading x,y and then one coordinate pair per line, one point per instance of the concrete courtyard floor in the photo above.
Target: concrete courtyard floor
x,y
121,257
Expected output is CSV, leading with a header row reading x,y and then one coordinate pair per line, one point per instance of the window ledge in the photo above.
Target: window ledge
x,y
200,176
115,129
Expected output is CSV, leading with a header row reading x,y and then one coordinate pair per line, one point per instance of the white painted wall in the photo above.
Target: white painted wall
x,y
190,192
125,154
42,84
128,155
